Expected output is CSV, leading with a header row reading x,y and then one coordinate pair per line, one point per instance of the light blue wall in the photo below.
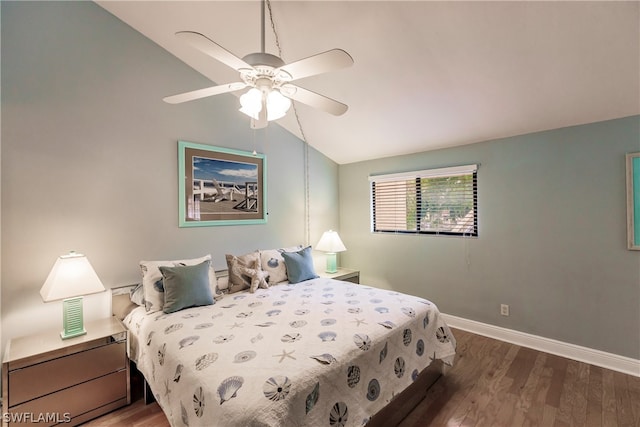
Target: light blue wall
x,y
89,158
552,237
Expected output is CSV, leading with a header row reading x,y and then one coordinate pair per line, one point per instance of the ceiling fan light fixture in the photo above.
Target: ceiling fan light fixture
x,y
277,105
251,103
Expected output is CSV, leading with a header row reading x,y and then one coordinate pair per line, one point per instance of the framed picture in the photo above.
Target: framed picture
x,y
633,201
220,186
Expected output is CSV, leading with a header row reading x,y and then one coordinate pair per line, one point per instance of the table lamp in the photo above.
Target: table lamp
x,y
71,277
330,243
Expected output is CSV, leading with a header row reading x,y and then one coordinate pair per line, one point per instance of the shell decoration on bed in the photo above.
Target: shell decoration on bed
x,y
420,347
151,334
265,324
185,342
184,415
425,321
244,315
339,415
406,337
203,326
312,398
276,388
387,324
272,313
409,311
205,360
298,323
382,310
414,375
229,388
327,336
383,352
442,335
373,390
362,341
190,315
198,402
172,328
353,375
161,352
398,367
355,310
176,376
324,358
328,322
221,339
244,356
291,338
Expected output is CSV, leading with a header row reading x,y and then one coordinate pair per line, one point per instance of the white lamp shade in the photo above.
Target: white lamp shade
x,y
71,276
330,242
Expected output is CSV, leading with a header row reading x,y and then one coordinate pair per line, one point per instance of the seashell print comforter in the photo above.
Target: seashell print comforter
x,y
316,353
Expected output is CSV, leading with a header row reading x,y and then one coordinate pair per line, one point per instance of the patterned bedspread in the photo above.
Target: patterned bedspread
x,y
316,353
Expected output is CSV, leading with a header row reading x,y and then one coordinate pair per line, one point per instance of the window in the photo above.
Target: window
x,y
435,201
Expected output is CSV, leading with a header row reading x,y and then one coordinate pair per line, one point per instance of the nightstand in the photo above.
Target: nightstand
x,y
47,380
344,274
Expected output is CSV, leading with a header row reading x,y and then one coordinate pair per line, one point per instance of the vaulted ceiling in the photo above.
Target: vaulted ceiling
x,y
427,75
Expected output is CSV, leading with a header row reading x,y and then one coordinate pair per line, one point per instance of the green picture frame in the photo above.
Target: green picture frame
x,y
220,186
633,201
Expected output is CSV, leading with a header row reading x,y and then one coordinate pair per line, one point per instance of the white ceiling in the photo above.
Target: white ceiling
x,y
427,75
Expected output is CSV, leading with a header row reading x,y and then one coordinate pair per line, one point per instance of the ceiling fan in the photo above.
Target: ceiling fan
x,y
268,77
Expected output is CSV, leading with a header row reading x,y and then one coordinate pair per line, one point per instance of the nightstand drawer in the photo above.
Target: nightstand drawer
x,y
78,400
43,378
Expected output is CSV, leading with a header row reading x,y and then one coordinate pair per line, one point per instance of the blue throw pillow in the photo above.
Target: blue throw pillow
x,y
299,265
186,286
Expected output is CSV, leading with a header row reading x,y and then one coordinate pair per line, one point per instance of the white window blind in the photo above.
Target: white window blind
x,y
432,201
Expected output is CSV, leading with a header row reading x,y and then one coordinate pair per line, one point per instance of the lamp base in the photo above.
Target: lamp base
x,y
331,263
72,318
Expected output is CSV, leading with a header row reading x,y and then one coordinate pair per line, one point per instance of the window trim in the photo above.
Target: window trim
x,y
470,169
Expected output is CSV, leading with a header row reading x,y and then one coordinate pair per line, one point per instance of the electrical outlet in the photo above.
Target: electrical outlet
x,y
504,309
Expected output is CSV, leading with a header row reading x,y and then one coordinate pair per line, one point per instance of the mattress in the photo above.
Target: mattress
x,y
317,353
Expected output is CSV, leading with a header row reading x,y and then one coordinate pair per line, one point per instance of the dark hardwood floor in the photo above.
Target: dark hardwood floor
x,y
492,384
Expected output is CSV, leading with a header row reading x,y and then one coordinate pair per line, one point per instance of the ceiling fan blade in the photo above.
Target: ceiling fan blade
x,y
330,60
313,99
203,93
213,49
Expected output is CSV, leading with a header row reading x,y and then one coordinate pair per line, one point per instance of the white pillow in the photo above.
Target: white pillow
x,y
273,263
152,280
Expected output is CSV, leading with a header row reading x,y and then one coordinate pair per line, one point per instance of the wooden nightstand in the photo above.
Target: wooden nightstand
x,y
47,380
344,274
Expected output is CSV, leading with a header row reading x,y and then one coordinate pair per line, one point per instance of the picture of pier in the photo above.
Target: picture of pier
x,y
221,185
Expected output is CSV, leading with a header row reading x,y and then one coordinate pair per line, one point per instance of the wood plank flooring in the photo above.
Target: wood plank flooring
x,y
492,384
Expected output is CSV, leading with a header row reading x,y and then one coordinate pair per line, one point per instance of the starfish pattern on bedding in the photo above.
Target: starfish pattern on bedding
x,y
359,322
236,325
284,355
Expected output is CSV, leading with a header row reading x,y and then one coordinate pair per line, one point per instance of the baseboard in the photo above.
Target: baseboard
x,y
603,359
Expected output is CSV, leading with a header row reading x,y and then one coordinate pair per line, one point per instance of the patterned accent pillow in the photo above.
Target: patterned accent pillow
x,y
152,280
273,263
237,280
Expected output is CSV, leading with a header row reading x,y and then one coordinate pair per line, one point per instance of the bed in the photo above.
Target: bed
x,y
312,353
